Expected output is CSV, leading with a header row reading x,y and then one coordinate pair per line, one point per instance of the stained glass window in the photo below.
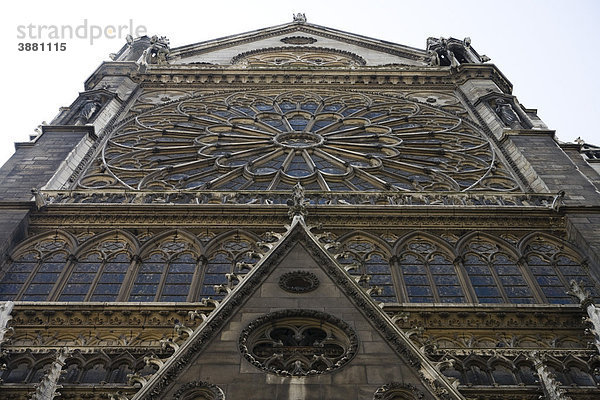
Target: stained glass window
x,y
366,261
495,275
553,270
428,274
326,140
99,273
34,273
166,274
232,257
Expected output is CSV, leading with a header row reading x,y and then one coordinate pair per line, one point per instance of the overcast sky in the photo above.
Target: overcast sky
x,y
547,49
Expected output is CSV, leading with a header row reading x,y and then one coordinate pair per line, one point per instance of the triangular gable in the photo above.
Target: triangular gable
x,y
386,354
223,50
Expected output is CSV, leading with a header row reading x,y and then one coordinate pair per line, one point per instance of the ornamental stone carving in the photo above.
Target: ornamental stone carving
x,y
329,141
298,343
298,282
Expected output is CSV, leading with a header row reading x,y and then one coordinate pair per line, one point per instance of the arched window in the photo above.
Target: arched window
x,y
94,373
199,391
559,374
33,273
428,274
17,372
230,257
495,275
503,375
119,374
99,272
166,273
477,375
526,375
41,368
553,269
364,258
72,373
580,377
453,372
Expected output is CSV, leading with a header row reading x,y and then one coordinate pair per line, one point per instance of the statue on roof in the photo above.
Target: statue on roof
x,y
507,114
444,55
452,52
297,204
300,17
88,109
157,52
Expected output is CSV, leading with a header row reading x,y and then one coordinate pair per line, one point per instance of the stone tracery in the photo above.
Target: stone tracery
x,y
298,343
178,266
328,141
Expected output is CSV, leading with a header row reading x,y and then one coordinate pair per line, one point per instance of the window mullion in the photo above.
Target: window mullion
x,y
63,278
499,284
163,280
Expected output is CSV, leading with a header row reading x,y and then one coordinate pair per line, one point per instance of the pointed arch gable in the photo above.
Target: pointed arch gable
x,y
562,244
36,266
96,240
428,273
428,236
503,244
382,244
555,263
27,244
216,241
203,341
197,246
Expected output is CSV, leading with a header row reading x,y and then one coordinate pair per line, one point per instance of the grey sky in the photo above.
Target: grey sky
x,y
547,49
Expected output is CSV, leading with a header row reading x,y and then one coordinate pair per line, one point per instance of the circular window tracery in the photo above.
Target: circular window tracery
x,y
298,343
304,56
326,140
298,282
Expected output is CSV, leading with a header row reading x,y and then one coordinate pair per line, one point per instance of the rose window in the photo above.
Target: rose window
x,y
327,141
298,57
298,343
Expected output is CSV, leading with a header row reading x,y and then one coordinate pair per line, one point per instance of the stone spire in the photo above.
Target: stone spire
x,y
5,317
550,385
587,303
48,387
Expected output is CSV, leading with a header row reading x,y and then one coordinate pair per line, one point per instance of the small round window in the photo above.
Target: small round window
x,y
298,343
298,282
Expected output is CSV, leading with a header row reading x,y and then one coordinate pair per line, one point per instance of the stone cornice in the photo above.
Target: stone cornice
x,y
318,199
47,129
232,76
483,317
94,314
521,218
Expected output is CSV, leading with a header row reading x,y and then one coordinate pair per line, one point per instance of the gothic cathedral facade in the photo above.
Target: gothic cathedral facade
x,y
299,213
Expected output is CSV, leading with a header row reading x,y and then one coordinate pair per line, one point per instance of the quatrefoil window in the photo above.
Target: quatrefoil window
x,y
298,343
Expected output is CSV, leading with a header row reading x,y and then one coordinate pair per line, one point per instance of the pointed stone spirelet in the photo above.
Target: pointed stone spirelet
x,y
48,387
550,386
5,310
587,303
